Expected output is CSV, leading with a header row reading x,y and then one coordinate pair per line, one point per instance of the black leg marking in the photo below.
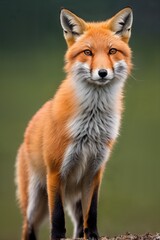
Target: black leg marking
x,y
91,231
31,234
58,222
79,217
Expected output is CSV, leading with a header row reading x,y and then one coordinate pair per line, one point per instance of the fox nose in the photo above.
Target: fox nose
x,y
102,73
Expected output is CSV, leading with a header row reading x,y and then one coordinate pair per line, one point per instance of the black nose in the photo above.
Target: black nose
x,y
102,73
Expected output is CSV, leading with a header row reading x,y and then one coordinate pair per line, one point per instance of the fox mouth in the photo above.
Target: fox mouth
x,y
100,81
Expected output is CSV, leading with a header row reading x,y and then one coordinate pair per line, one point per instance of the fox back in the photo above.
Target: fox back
x,y
69,140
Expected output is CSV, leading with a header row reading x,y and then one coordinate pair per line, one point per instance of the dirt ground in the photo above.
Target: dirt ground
x,y
129,236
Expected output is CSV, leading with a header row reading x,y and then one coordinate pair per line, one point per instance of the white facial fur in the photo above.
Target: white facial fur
x,y
82,72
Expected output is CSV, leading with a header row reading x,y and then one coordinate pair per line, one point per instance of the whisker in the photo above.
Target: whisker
x,y
139,80
132,76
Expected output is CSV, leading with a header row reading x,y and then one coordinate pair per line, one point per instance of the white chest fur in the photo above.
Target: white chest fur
x,y
96,122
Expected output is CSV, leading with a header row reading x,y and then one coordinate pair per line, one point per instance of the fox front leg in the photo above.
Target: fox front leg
x,y
89,206
56,212
90,221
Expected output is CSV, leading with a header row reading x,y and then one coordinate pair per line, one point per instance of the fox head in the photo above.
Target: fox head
x,y
98,52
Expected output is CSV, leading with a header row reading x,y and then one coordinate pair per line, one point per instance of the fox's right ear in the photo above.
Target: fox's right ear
x,y
72,25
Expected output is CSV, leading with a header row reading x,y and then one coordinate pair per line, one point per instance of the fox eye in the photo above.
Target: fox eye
x,y
112,51
88,52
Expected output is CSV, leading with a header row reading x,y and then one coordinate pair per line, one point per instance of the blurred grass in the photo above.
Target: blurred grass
x,y
130,194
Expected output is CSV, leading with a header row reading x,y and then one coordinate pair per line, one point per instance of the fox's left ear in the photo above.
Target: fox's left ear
x,y
121,23
72,25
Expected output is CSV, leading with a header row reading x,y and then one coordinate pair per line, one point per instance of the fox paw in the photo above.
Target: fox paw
x,y
91,235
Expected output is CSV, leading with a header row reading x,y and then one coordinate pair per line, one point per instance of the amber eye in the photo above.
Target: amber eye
x,y
112,51
88,52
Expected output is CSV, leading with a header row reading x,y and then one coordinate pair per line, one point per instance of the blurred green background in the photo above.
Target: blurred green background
x,y
31,62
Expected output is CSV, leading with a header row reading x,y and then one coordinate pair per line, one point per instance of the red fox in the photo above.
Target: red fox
x,y
67,143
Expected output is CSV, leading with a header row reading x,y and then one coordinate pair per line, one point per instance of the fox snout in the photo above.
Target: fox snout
x,y
101,76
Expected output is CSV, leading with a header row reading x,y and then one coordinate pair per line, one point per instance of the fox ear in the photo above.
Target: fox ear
x,y
72,25
121,23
